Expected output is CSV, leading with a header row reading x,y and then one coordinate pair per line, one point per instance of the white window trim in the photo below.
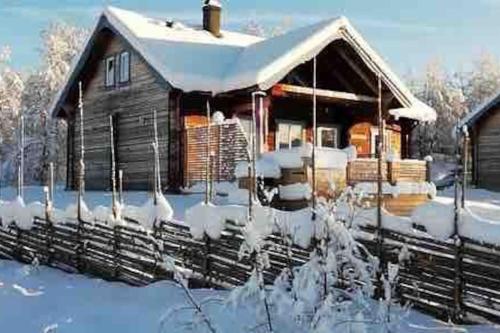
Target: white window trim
x,y
110,81
288,122
322,127
127,69
387,140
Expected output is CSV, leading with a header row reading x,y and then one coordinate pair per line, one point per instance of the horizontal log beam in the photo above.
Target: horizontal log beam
x,y
287,90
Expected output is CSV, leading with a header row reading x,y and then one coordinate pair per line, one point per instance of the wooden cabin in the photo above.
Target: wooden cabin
x,y
133,64
483,129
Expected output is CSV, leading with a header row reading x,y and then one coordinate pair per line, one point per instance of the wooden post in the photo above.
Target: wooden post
x,y
81,184
81,176
458,279
21,164
120,186
465,157
207,161
380,147
114,207
48,223
315,142
428,170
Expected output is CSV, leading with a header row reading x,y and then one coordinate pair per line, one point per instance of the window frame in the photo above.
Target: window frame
x,y
288,123
120,57
374,132
335,128
108,84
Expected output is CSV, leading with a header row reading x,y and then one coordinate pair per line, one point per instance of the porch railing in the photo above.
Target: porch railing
x,y
365,170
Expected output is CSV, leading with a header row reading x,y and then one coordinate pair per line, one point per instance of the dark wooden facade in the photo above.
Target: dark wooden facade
x,y
484,150
131,105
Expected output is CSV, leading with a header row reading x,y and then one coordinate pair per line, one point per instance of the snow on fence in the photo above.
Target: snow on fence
x,y
444,277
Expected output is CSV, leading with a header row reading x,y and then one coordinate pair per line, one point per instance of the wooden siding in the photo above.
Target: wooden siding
x,y
133,106
228,146
488,151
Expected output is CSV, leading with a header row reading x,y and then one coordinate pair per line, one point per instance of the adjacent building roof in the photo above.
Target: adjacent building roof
x,y
472,117
190,58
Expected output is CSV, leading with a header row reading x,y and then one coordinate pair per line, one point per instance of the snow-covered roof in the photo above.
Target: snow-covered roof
x,y
482,109
190,58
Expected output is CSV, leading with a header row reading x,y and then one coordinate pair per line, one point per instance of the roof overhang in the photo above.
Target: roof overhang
x,y
261,64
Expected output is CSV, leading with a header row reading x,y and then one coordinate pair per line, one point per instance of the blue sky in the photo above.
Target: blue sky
x,y
406,32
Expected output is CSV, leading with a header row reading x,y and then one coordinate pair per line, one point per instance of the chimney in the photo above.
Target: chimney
x,y
211,16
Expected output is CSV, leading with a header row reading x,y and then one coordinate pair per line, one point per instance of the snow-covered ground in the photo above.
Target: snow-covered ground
x,y
483,203
47,300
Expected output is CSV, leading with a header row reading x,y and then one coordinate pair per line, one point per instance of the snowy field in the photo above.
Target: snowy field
x,y
63,198
47,300
484,203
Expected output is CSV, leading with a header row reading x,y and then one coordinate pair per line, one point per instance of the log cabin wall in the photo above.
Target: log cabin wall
x,y
132,105
486,150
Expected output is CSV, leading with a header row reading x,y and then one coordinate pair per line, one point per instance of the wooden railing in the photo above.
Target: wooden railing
x,y
365,170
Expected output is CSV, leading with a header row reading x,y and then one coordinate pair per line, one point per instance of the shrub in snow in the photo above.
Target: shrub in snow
x,y
198,321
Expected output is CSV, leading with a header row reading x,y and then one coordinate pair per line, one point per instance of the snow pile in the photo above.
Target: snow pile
x,y
297,191
224,188
20,213
271,163
266,167
399,188
298,225
478,228
238,197
368,217
150,214
437,218
105,214
71,212
210,220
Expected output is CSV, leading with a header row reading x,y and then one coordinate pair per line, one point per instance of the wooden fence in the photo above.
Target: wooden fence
x,y
365,170
449,279
228,145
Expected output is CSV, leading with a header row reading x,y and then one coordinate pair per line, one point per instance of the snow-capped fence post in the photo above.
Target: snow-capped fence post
x,y
81,245
120,186
207,161
315,141
114,204
81,175
20,169
113,168
458,243
465,156
49,229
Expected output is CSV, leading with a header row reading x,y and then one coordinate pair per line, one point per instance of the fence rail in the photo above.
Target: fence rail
x,y
365,170
448,279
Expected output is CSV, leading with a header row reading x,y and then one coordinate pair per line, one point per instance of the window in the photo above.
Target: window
x,y
289,135
110,72
328,137
124,67
375,141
